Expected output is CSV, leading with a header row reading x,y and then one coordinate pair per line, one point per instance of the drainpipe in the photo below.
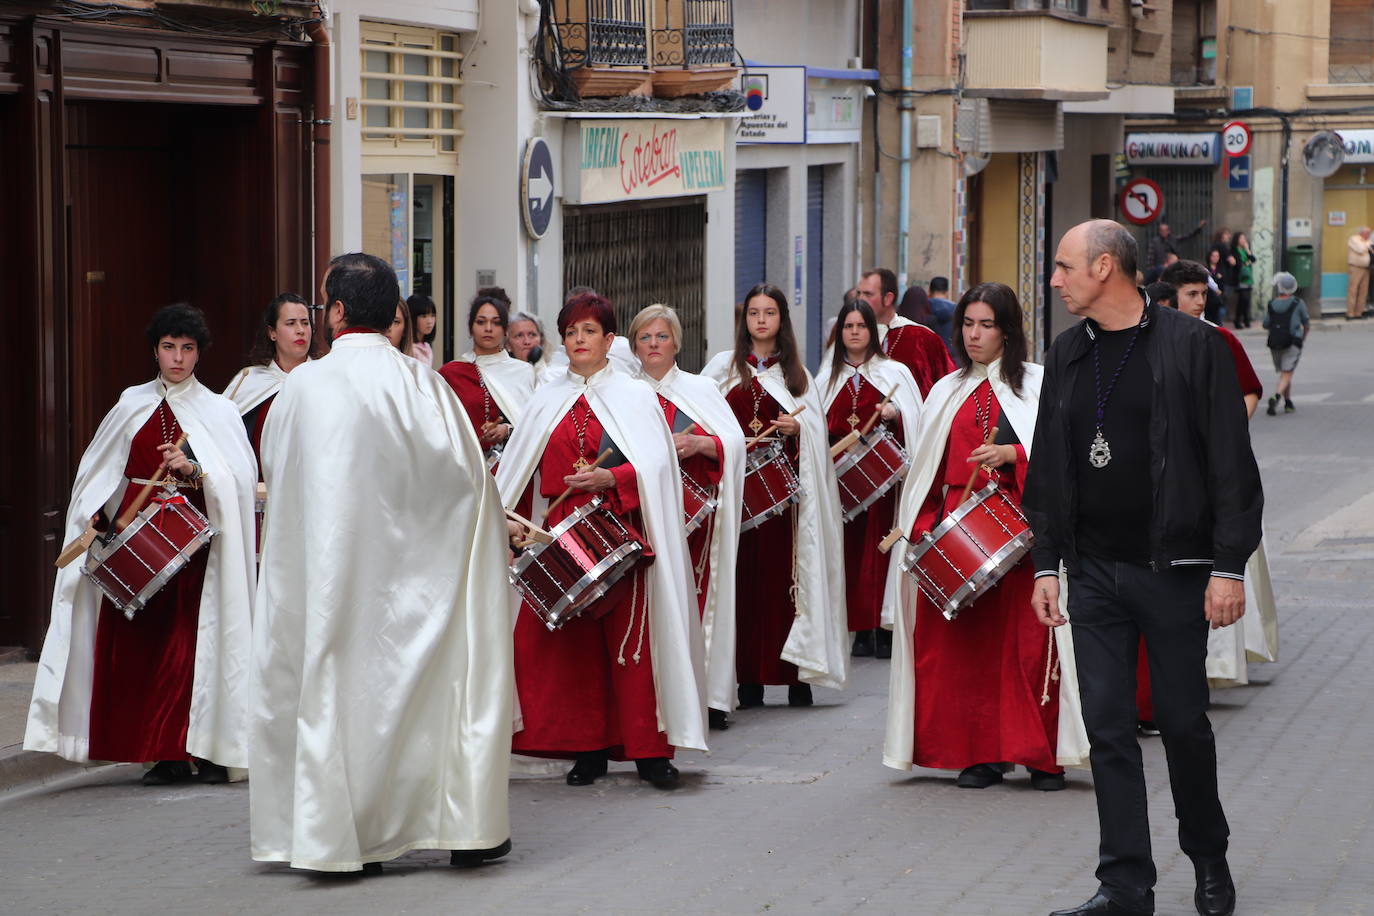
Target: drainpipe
x,y
905,104
320,133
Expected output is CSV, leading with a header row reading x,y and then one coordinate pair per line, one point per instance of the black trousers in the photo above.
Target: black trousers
x,y
1111,604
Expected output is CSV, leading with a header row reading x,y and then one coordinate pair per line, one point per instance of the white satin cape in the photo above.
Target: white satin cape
x,y
382,669
255,384
1255,638
899,599
554,365
818,643
701,400
60,713
632,417
511,381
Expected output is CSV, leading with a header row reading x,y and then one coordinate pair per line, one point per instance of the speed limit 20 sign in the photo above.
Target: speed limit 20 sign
x,y
1235,138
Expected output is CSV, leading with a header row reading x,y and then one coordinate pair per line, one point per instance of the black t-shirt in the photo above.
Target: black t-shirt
x,y
1114,502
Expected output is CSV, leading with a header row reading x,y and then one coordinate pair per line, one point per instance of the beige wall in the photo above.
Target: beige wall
x,y
822,33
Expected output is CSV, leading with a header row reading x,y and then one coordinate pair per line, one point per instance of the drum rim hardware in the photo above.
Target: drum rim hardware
x,y
851,458
773,452
106,546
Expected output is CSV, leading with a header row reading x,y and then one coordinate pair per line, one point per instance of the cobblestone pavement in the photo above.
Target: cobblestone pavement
x,y
793,811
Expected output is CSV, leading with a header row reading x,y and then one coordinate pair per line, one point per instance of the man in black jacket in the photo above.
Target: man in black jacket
x,y
1143,484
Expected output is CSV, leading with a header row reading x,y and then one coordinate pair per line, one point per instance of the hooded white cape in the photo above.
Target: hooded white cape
x,y
701,400
899,600
382,669
59,716
818,643
255,384
511,381
633,419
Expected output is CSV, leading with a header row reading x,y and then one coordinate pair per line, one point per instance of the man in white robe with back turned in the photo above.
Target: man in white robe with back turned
x,y
382,706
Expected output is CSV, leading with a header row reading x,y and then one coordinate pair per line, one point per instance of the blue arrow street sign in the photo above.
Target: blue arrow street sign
x,y
1238,173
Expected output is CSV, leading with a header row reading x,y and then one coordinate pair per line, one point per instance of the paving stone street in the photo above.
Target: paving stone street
x,y
792,811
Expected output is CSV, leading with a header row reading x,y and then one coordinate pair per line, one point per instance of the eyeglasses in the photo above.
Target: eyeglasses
x,y
660,338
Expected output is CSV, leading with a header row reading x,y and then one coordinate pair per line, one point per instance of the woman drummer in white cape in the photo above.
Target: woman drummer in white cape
x,y
979,691
171,684
789,571
623,679
713,456
283,342
492,385
854,383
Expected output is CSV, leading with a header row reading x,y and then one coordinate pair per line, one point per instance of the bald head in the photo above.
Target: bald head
x,y
1095,271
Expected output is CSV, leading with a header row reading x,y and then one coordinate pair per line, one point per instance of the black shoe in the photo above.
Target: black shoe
x,y
212,774
1101,905
658,771
799,695
1289,406
588,769
166,772
863,644
750,695
471,858
883,649
1216,892
1273,405
1147,728
372,868
979,776
717,719
1044,781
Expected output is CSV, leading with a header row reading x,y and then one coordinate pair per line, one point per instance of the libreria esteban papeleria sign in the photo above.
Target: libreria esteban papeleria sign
x,y
630,160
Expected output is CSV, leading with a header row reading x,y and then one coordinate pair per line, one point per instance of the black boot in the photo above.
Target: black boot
x,y
863,644
590,766
799,695
883,645
167,772
979,776
471,858
658,771
717,719
210,773
750,695
1216,892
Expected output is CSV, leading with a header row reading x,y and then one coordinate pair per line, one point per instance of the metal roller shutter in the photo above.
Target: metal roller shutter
x,y
815,257
751,230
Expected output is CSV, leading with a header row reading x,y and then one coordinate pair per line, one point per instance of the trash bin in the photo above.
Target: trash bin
x,y
1299,262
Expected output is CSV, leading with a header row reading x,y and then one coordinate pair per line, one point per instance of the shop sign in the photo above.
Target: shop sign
x,y
775,102
1359,146
640,159
1173,149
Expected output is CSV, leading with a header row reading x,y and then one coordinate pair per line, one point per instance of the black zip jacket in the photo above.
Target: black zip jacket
x,y
1207,497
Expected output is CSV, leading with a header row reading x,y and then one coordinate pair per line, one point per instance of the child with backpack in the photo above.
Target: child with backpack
x,y
1288,323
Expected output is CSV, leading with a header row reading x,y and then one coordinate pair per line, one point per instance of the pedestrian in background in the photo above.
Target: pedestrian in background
x,y
1216,268
942,307
1287,320
1245,278
1164,244
1357,271
423,319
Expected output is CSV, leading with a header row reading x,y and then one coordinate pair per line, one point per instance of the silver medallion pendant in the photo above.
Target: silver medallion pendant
x,y
1100,453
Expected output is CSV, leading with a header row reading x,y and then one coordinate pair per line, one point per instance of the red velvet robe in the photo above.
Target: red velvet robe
x,y
764,610
980,677
575,694
865,566
466,381
922,351
706,471
141,685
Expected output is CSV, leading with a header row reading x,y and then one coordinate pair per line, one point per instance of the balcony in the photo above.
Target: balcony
x,y
693,46
1048,51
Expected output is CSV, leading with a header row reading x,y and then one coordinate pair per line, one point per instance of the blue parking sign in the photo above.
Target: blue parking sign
x,y
1238,173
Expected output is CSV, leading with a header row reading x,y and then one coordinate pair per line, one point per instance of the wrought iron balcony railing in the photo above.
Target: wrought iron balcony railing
x,y
607,33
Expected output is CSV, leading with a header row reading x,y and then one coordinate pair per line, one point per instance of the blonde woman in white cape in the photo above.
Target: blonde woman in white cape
x,y
170,685
789,580
982,690
493,386
854,383
713,456
623,679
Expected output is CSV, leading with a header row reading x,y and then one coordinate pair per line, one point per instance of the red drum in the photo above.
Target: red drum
x,y
135,564
970,551
591,551
698,502
770,485
870,468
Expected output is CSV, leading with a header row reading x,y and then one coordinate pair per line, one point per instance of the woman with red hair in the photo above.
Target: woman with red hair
x,y
622,680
